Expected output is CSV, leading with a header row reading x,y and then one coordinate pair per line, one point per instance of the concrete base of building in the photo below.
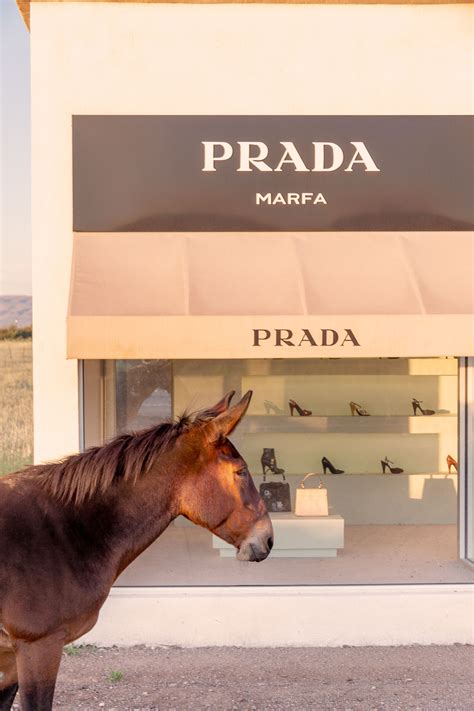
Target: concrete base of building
x,y
287,616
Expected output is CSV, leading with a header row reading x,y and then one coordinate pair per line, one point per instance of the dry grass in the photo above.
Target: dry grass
x,y
16,405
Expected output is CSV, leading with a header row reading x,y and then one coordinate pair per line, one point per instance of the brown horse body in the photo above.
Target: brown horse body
x,y
67,530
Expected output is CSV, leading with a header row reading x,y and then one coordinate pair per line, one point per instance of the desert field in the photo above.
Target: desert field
x,y
16,405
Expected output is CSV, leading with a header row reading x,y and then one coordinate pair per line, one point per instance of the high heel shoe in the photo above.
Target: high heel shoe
x,y
356,408
300,410
327,465
416,404
268,461
270,406
387,463
451,463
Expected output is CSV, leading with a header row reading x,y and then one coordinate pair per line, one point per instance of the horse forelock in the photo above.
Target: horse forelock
x,y
91,474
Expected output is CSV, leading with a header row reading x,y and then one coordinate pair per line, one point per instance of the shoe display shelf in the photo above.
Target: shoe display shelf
x,y
345,423
419,444
385,388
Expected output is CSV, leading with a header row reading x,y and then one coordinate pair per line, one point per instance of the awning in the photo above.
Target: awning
x,y
260,295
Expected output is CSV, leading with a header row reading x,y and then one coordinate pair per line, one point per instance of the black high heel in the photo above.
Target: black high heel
x,y
268,460
387,463
356,408
327,465
416,404
300,410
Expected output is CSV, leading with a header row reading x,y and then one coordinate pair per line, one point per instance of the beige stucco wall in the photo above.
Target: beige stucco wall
x,y
184,59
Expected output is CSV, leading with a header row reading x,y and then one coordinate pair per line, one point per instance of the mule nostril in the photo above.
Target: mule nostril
x,y
270,543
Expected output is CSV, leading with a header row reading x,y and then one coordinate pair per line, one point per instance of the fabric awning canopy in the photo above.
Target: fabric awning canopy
x,y
182,295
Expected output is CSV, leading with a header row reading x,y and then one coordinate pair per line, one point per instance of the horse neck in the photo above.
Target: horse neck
x,y
143,510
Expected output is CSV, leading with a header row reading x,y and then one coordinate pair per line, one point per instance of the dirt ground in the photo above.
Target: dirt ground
x,y
339,679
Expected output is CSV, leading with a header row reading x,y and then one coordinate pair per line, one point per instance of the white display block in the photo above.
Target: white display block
x,y
298,537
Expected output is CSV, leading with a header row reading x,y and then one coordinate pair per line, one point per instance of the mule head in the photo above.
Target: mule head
x,y
217,490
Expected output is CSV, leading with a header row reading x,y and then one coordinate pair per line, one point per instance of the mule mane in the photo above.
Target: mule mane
x,y
90,474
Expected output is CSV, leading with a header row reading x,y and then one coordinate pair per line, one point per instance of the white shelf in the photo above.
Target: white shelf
x,y
324,477
346,424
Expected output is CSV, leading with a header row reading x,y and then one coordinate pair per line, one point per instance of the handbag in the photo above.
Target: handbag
x,y
311,502
276,495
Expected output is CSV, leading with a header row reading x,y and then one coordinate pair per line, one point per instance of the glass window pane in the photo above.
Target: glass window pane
x,y
469,465
138,394
380,433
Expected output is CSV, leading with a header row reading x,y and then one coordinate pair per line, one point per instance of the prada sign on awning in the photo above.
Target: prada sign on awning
x,y
272,173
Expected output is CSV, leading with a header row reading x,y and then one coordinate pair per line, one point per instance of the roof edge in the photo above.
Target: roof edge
x,y
24,5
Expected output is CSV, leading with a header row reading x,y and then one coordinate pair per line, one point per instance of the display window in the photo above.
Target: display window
x,y
466,447
379,438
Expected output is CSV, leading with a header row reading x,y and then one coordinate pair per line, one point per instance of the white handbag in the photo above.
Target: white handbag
x,y
311,502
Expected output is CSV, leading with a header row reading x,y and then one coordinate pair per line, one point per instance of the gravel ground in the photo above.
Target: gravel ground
x,y
229,678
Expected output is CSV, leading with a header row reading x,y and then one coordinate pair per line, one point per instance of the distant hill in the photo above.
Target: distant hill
x,y
15,310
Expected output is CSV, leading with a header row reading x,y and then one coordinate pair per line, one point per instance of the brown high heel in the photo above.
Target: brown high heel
x,y
416,404
452,463
356,408
300,410
387,463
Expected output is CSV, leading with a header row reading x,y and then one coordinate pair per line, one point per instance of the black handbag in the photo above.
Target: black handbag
x,y
276,495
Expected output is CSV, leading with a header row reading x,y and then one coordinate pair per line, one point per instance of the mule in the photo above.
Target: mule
x,y
68,529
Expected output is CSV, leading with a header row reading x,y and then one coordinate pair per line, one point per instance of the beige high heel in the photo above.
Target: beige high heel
x,y
357,409
270,406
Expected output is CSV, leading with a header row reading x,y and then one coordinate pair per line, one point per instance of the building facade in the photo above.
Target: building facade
x,y
273,197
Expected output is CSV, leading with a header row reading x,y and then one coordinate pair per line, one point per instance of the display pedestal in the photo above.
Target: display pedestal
x,y
298,537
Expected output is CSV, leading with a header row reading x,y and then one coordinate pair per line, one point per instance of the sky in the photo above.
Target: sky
x,y
15,193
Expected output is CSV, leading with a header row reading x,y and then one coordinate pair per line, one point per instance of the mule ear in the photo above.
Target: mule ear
x,y
219,407
226,422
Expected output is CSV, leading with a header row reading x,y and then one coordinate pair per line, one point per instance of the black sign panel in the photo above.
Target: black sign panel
x,y
275,173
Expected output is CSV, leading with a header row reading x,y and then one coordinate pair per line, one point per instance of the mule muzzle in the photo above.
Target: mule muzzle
x,y
258,544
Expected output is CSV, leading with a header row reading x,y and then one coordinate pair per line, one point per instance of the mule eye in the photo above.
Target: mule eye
x,y
242,472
